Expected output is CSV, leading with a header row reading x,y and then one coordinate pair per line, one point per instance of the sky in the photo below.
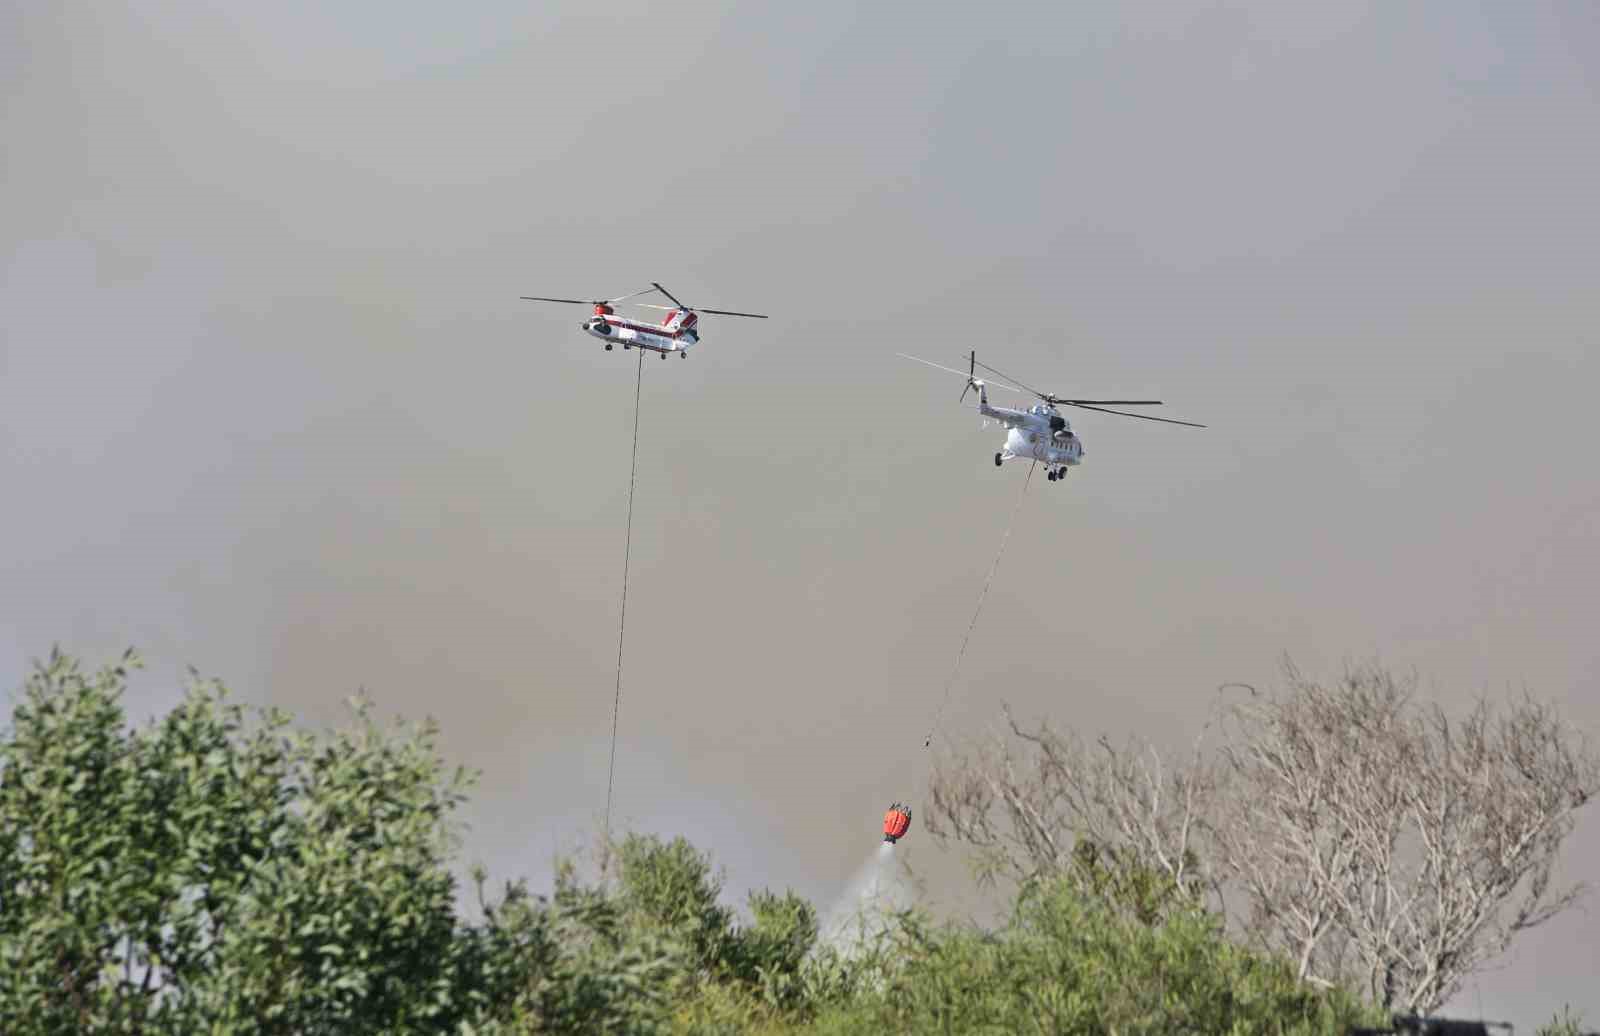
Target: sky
x,y
270,405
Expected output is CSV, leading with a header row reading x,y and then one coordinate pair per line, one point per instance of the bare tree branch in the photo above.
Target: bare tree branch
x,y
1376,841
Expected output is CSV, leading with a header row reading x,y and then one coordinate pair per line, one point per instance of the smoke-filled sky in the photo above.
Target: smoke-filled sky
x,y
270,406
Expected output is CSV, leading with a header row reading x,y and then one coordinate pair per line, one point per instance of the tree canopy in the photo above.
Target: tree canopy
x,y
218,870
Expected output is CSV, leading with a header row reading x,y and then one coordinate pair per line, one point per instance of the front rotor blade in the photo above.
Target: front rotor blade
x,y
669,295
1142,417
541,298
1108,402
646,291
732,313
964,374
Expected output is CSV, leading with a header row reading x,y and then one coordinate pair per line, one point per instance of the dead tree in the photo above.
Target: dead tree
x,y
1026,798
1371,838
1363,821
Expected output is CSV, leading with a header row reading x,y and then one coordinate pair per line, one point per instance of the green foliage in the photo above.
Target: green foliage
x,y
1564,1024
770,954
198,874
669,889
1069,962
739,975
209,874
1114,876
567,964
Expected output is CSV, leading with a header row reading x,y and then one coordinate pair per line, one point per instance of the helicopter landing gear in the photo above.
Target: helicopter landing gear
x,y
1051,475
608,347
683,354
663,356
625,345
998,460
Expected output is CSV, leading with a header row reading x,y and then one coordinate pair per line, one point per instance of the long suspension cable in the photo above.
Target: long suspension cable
x,y
622,623
993,567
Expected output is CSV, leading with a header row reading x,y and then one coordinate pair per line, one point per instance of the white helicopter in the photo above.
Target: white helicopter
x,y
1040,433
675,334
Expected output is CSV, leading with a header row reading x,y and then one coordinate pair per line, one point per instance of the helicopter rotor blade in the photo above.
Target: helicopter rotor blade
x,y
646,291
541,298
964,374
732,313
1003,374
669,295
1123,413
1107,402
721,312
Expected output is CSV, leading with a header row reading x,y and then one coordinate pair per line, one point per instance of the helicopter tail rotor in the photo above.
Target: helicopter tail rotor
x,y
973,381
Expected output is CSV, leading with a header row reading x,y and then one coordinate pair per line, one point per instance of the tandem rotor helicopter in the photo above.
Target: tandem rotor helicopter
x,y
675,334
1039,433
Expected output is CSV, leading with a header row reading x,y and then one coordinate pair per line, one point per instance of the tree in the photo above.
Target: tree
x,y
198,874
1028,801
1373,840
1423,843
567,963
210,872
1070,962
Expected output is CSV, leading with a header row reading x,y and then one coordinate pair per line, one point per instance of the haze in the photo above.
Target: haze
x,y
270,406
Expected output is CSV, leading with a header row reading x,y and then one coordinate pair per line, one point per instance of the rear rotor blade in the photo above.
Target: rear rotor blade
x,y
732,313
1121,413
669,295
723,312
646,291
541,298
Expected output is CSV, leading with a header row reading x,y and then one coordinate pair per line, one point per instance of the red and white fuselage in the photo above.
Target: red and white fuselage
x,y
675,334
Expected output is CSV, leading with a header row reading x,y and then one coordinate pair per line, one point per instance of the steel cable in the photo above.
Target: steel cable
x,y
993,567
622,622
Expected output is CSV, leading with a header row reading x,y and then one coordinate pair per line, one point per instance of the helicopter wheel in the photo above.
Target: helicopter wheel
x,y
1050,475
625,345
997,460
683,354
608,347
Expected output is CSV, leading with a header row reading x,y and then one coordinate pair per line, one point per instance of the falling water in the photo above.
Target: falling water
x,y
875,892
